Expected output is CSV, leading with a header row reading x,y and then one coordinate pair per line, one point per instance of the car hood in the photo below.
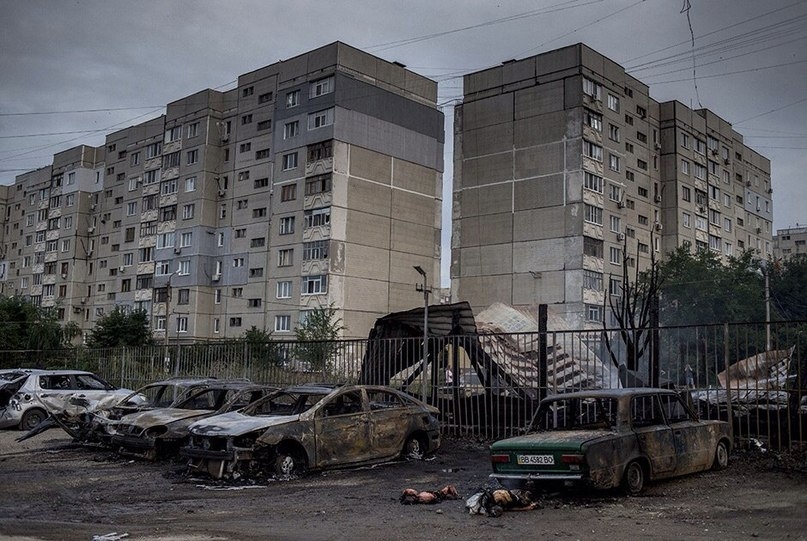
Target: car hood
x,y
161,416
556,439
238,424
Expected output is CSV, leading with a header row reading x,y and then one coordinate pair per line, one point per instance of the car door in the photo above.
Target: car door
x,y
91,386
693,446
654,436
342,430
54,389
390,420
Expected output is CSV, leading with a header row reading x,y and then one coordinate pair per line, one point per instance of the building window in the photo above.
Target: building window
x,y
265,98
261,182
247,91
592,151
592,280
615,255
686,193
700,147
613,103
614,286
168,187
292,99
131,208
593,214
184,267
320,119
244,147
264,125
186,239
590,88
320,87
192,130
285,258
283,290
188,211
641,164
684,167
686,220
613,132
614,192
315,250
259,213
289,161
288,192
616,224
593,182
168,213
184,296
246,119
700,171
317,217
613,163
318,184
257,272
592,119
594,312
238,262
258,242
235,322
150,177
287,225
282,323
171,160
685,140
314,285
173,134
291,129
254,303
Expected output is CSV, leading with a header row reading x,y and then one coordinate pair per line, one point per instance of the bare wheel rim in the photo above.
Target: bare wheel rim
x,y
413,449
635,478
286,465
721,455
32,419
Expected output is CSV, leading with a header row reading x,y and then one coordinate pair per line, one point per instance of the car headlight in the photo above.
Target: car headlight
x,y
155,431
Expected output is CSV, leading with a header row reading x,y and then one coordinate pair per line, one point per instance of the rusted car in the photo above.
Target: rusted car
x,y
161,432
314,427
610,438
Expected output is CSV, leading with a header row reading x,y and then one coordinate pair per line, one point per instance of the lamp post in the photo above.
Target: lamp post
x,y
425,289
763,267
166,356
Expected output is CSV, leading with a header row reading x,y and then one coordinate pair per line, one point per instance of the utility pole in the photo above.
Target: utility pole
x,y
166,355
425,289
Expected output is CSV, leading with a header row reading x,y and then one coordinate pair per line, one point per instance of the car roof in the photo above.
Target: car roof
x,y
313,388
237,385
62,372
611,393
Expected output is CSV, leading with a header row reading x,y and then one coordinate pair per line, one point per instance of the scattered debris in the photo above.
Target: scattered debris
x,y
410,496
114,536
492,503
223,488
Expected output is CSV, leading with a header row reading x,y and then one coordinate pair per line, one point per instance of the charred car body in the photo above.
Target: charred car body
x,y
609,438
314,427
162,431
39,391
91,421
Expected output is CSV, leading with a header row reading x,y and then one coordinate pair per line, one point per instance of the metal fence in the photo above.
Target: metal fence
x,y
487,386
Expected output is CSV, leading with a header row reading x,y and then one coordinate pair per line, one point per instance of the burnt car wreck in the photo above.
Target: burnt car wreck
x,y
161,432
313,427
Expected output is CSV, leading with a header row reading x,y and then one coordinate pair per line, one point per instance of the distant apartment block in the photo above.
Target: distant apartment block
x,y
564,167
315,182
790,242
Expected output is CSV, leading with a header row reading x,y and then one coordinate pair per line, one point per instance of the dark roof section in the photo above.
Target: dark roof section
x,y
444,320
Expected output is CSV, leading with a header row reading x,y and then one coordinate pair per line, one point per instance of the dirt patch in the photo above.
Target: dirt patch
x,y
55,490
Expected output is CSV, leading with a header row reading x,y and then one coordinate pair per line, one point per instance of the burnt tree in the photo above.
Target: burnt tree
x,y
635,309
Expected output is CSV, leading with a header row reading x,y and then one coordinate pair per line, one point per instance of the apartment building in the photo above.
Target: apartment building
x,y
315,182
565,167
790,242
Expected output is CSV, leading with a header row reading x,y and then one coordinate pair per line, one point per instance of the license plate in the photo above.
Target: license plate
x,y
537,460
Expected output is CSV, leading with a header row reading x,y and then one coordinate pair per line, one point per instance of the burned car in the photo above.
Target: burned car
x,y
26,408
314,427
92,421
610,438
161,432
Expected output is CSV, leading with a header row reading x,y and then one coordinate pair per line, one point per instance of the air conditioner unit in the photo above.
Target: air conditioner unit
x,y
726,161
702,210
714,152
620,204
64,276
216,277
658,146
177,251
748,183
657,199
92,207
222,193
77,309
90,230
121,269
770,190
83,301
620,236
89,253
759,230
658,226
225,138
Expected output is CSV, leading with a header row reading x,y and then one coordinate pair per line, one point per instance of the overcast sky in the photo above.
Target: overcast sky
x,y
132,57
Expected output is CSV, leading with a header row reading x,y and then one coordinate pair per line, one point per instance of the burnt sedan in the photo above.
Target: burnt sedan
x,y
610,438
314,427
162,431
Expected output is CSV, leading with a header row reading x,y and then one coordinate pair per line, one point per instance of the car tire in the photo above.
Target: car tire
x,y
633,479
32,418
721,461
289,463
414,447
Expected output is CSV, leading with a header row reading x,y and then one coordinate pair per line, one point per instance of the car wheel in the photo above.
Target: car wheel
x,y
721,456
288,463
633,478
414,447
31,418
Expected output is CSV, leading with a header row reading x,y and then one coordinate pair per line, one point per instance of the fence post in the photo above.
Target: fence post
x,y
543,319
726,341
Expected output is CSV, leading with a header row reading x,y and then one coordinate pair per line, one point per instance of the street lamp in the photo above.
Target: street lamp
x,y
765,271
425,289
166,356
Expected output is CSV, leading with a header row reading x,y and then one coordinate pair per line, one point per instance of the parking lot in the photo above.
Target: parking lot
x,y
53,489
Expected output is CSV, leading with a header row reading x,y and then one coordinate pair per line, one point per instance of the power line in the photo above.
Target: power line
x,y
72,111
732,73
49,134
777,108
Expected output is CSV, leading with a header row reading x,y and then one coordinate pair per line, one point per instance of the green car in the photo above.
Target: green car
x,y
610,438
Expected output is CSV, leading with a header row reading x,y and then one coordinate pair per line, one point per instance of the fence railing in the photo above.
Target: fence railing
x,y
487,386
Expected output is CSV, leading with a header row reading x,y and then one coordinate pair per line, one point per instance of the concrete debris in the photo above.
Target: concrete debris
x,y
410,496
114,536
